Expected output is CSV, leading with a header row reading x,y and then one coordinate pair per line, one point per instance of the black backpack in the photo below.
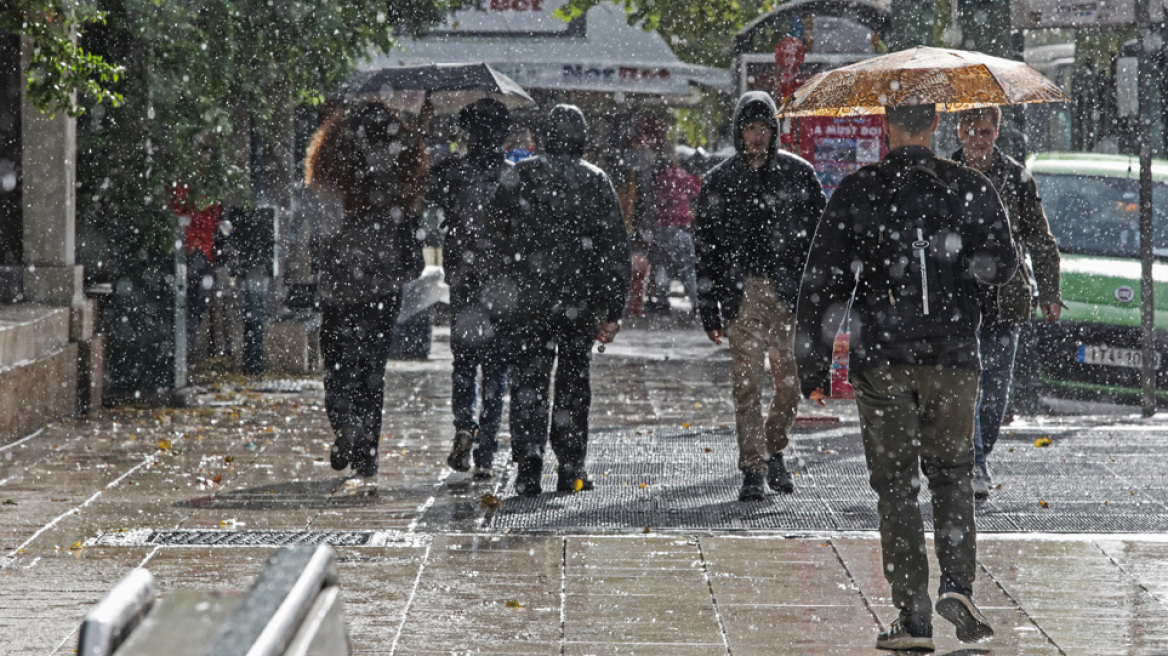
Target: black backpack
x,y
915,278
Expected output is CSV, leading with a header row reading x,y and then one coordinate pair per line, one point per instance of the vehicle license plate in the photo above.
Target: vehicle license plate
x,y
1112,356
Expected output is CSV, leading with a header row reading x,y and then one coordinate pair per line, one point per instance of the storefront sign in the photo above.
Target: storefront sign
x,y
1031,14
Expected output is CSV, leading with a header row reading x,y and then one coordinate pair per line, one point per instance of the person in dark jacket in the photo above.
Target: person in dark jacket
x,y
1007,308
755,217
914,361
462,189
564,256
376,161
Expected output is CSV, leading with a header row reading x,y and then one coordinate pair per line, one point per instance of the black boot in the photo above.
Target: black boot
x,y
777,475
365,459
527,480
753,486
342,452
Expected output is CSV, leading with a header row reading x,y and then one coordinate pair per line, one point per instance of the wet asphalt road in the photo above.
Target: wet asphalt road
x,y
660,559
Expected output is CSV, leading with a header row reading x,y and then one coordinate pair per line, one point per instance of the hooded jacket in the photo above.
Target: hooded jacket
x,y
858,216
752,222
559,239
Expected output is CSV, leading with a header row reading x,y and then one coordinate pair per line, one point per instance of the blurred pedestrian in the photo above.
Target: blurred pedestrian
x,y
1005,309
562,245
919,233
200,231
674,189
519,145
755,217
463,189
376,162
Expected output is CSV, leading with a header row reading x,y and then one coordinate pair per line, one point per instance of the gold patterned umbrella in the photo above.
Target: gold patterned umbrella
x,y
952,79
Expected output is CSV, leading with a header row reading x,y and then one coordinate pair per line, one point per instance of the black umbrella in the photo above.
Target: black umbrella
x,y
449,87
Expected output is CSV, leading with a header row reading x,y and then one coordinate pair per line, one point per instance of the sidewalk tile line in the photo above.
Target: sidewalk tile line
x,y
856,584
410,601
1018,605
563,595
20,441
14,554
421,511
1128,574
713,597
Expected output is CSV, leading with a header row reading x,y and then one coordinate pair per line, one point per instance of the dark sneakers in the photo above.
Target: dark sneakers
x,y
777,475
527,480
459,458
341,453
365,460
753,486
971,625
572,480
902,636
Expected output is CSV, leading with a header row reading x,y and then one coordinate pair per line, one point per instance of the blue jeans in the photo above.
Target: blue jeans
x,y
999,345
476,346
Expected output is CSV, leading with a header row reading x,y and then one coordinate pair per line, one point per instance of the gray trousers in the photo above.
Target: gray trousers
x,y
763,331
913,419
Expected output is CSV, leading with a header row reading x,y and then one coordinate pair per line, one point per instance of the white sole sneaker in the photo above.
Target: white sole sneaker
x,y
959,609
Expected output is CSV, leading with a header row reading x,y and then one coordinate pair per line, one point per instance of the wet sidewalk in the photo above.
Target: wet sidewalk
x,y
659,559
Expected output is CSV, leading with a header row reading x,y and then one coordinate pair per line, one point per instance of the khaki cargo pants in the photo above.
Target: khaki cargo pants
x,y
764,330
914,419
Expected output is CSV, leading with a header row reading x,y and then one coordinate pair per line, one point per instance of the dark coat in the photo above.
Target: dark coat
x,y
371,256
559,239
462,189
1011,303
856,216
753,222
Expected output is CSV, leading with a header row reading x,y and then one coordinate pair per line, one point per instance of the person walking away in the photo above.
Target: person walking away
x,y
560,240
755,217
675,188
377,163
919,233
462,189
1007,308
201,227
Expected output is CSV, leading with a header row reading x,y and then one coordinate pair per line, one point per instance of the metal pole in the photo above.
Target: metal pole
x,y
1147,291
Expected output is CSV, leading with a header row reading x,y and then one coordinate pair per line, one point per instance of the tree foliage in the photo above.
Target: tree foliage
x,y
200,77
62,76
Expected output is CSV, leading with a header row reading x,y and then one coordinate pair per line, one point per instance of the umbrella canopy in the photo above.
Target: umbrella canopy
x,y
952,79
449,87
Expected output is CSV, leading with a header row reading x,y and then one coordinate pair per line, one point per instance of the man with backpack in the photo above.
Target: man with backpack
x,y
563,256
754,220
462,189
1007,308
910,239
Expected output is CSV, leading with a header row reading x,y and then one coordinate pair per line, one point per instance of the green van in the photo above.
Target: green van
x,y
1092,203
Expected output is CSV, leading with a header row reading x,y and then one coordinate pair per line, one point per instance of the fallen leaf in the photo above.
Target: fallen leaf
x,y
578,484
708,450
644,485
1042,441
9,502
648,530
229,459
490,502
697,404
1043,504
164,444
511,603
685,425
217,479
77,546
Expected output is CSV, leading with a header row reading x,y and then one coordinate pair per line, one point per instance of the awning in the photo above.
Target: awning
x,y
523,40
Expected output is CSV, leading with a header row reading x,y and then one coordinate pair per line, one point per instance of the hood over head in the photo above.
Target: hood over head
x,y
567,131
755,106
485,121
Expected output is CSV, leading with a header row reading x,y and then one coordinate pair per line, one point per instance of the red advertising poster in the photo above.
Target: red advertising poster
x,y
838,146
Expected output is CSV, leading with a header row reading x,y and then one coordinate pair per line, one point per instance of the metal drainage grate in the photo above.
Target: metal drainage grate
x,y
270,538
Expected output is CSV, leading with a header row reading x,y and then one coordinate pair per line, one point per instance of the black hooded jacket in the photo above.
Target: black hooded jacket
x,y
753,222
859,216
559,239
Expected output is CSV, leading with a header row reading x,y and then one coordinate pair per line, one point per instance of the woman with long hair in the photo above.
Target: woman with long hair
x,y
376,163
